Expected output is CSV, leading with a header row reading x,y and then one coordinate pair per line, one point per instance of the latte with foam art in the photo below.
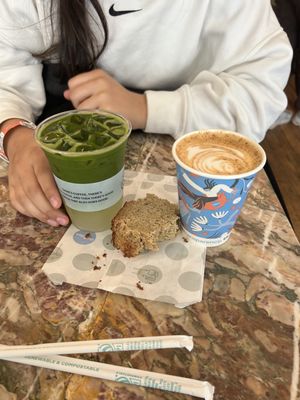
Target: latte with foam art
x,y
218,153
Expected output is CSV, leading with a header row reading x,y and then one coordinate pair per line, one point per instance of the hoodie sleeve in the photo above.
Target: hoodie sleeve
x,y
21,85
245,95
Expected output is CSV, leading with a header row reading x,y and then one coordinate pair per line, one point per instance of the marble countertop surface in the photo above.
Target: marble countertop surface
x,y
245,330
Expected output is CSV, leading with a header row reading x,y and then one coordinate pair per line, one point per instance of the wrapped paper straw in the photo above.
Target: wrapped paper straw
x,y
131,376
99,346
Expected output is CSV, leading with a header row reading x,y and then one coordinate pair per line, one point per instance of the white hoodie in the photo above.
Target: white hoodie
x,y
202,63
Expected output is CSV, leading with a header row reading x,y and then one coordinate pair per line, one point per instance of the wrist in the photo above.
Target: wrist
x,y
140,118
11,129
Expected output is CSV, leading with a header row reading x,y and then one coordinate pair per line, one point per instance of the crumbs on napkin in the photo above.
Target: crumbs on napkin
x,y
139,286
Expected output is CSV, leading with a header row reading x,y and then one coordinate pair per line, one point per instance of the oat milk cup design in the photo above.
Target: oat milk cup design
x,y
215,170
86,151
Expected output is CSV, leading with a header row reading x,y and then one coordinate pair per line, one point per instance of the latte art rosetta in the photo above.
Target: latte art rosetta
x,y
219,153
217,160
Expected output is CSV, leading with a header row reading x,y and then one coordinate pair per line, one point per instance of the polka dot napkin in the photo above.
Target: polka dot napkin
x,y
173,275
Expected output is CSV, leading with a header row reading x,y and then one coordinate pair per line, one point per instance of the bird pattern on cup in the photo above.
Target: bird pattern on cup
x,y
209,207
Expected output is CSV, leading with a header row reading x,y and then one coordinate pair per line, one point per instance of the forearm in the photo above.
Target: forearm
x,y
247,97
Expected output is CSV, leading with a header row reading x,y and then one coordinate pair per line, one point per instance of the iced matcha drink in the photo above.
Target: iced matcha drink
x,y
86,152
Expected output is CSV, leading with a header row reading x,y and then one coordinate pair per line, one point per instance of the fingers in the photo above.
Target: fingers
x,y
32,202
27,207
46,181
85,77
98,90
49,196
95,102
34,193
67,94
79,93
93,84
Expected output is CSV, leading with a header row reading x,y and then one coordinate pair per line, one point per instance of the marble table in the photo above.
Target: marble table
x,y
246,329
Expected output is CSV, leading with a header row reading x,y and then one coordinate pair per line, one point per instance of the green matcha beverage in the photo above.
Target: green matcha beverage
x,y
86,152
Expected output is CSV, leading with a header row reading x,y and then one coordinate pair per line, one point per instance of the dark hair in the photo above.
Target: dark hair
x,y
77,46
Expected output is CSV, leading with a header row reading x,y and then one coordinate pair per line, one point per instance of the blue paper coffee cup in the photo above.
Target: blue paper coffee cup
x,y
211,188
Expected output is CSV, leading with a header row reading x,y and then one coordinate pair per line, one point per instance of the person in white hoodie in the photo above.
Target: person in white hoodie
x,y
169,66
288,14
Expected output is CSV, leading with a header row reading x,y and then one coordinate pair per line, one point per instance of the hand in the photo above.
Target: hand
x,y
32,188
96,89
